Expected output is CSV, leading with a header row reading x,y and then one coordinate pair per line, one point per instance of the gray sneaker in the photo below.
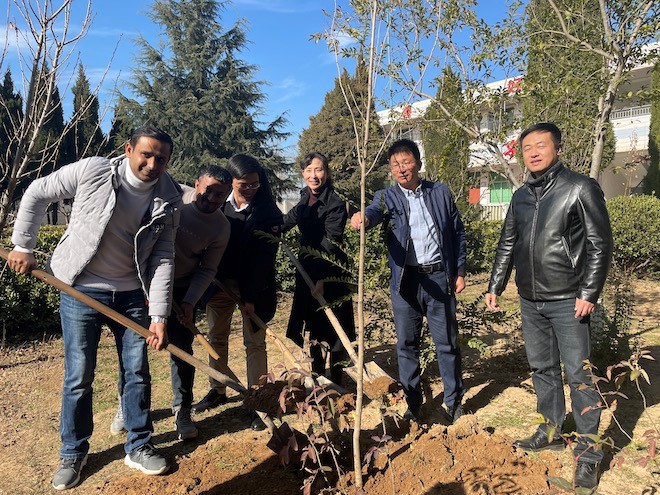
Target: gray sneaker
x,y
68,473
184,423
117,426
147,459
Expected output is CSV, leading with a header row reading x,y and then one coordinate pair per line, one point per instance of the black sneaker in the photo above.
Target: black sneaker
x,y
539,441
146,459
211,400
68,473
185,426
586,474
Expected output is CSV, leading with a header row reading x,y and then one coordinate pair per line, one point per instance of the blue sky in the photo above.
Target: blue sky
x,y
297,72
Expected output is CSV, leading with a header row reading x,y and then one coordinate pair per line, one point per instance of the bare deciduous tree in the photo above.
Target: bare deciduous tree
x,y
630,27
40,34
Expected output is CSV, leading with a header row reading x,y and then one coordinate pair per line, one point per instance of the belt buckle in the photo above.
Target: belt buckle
x,y
425,269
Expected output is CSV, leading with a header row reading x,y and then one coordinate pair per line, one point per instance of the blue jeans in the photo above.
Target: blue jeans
x,y
427,295
553,334
81,331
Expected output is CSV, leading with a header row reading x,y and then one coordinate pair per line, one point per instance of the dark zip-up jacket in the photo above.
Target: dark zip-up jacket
x,y
250,258
392,206
559,239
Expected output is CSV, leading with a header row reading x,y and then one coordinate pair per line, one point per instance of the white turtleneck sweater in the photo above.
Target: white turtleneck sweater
x,y
113,266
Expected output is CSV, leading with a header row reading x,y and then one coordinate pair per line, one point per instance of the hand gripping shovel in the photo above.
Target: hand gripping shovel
x,y
280,435
198,335
378,382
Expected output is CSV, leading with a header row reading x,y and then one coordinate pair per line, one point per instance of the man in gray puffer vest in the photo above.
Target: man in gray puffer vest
x,y
118,249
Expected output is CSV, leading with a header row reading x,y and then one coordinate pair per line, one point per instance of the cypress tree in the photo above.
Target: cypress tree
x,y
11,114
85,137
446,146
194,86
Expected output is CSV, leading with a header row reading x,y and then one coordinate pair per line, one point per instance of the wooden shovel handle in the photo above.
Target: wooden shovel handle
x,y
346,342
198,335
261,324
128,323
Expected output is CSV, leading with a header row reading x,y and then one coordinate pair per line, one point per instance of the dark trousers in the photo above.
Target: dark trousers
x,y
183,374
427,295
553,334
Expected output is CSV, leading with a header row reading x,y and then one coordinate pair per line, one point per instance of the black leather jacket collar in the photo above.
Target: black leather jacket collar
x,y
560,241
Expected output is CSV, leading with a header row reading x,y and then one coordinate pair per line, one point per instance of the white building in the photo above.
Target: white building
x,y
630,122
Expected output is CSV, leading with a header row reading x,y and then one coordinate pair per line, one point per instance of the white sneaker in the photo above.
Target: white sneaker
x,y
117,426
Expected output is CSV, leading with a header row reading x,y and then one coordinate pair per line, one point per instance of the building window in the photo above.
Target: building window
x,y
500,190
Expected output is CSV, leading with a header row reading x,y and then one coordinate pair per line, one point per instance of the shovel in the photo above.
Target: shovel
x,y
379,382
288,355
198,335
278,440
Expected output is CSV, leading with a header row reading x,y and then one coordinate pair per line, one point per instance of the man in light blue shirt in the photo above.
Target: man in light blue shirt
x,y
426,254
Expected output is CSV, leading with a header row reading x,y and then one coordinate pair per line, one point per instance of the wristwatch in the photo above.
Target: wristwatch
x,y
158,319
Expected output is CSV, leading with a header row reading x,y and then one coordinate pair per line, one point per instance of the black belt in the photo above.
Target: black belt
x,y
435,267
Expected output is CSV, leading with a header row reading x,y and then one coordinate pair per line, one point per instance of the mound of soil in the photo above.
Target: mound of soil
x,y
459,460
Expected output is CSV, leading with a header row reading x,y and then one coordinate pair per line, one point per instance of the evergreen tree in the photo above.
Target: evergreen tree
x,y
331,133
446,146
50,149
563,82
85,137
651,184
120,131
11,114
194,86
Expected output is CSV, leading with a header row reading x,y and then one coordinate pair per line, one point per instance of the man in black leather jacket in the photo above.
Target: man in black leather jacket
x,y
557,234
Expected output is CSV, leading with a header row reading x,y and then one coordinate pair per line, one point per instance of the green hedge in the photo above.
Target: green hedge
x,y
636,229
29,308
482,237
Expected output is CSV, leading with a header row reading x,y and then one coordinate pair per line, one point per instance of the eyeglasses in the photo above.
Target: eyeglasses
x,y
242,186
405,164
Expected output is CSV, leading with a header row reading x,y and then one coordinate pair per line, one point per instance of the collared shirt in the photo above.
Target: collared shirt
x,y
232,201
425,249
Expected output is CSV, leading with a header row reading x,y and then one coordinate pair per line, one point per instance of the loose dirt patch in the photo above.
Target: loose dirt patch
x,y
474,457
459,460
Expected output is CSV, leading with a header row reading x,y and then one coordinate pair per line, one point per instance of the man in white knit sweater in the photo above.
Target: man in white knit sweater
x,y
119,249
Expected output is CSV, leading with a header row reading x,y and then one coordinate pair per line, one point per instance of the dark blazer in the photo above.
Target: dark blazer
x,y
560,240
391,205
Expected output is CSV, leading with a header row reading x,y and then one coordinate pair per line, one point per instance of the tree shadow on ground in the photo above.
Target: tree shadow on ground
x,y
267,478
504,369
630,411
231,419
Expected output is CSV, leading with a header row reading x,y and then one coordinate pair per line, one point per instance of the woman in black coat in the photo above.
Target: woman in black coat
x,y
321,217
